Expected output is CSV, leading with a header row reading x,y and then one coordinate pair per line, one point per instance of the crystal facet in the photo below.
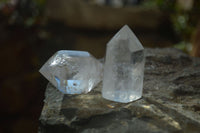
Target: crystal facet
x,y
124,67
72,72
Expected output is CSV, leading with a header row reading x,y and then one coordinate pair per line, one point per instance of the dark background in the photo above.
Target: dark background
x,y
33,30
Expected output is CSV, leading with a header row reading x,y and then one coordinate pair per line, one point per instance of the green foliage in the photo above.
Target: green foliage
x,y
26,12
184,46
164,5
184,21
3,1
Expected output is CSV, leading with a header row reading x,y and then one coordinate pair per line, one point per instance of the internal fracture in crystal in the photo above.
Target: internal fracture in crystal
x,y
72,72
124,67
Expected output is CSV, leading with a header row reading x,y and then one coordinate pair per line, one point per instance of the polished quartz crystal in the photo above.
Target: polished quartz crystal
x,y
124,67
72,72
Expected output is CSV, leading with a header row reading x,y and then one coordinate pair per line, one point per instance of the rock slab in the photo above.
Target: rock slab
x,y
170,102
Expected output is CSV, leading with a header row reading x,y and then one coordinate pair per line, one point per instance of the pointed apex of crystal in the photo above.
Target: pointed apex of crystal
x,y
125,34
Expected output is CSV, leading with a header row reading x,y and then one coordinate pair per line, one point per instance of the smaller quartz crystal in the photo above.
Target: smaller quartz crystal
x,y
72,72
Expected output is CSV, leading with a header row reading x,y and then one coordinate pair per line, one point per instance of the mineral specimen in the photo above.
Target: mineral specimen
x,y
72,72
124,67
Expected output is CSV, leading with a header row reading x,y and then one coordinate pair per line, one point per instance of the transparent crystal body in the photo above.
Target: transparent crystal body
x,y
72,72
124,67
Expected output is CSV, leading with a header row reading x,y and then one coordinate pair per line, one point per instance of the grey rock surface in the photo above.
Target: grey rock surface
x,y
170,102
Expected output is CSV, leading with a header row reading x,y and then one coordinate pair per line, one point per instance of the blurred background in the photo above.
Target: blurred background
x,y
33,30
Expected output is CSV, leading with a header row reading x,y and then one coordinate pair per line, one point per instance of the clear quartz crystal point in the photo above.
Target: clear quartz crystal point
x,y
72,72
124,67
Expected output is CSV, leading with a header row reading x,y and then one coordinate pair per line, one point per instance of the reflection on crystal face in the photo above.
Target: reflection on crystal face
x,y
73,72
68,86
124,67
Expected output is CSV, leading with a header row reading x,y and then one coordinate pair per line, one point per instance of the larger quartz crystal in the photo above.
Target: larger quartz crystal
x,y
124,67
72,72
